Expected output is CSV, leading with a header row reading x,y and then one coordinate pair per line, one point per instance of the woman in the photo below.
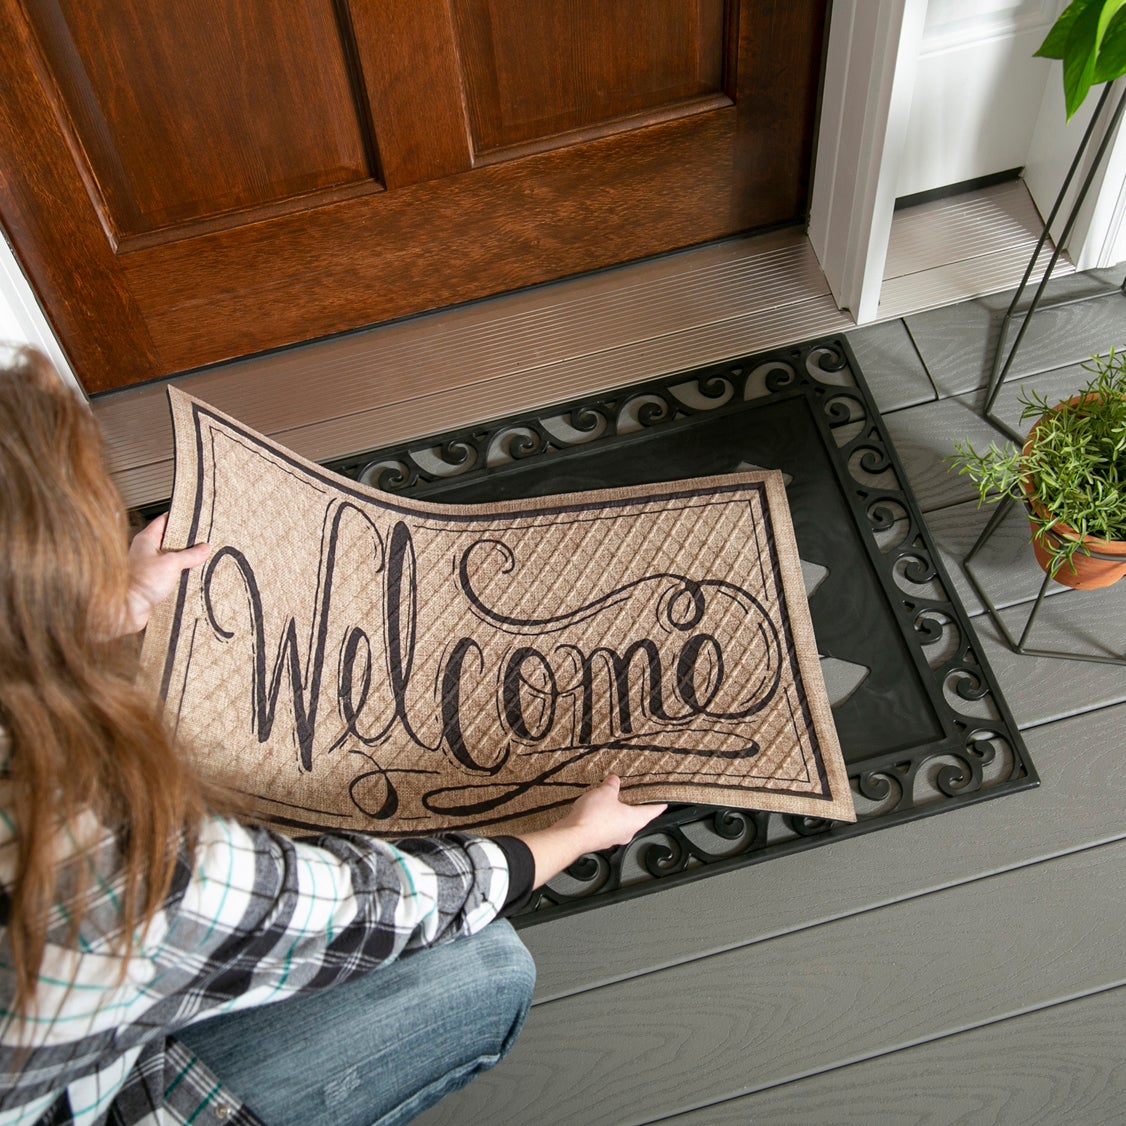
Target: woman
x,y
161,961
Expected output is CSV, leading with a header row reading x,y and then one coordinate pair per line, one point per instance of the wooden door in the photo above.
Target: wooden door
x,y
189,182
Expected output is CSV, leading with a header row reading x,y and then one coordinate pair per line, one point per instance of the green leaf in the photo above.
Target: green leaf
x,y
1111,62
1090,39
1110,9
1054,46
1080,55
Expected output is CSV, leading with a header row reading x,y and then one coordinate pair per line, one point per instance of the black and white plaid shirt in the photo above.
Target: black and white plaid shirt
x,y
252,917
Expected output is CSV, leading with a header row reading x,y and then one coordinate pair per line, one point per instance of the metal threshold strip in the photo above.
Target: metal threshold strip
x,y
523,351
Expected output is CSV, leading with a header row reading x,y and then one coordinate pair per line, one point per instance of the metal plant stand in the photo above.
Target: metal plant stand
x,y
1020,644
1002,365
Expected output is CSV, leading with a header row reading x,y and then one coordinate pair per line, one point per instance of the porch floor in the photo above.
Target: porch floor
x,y
969,967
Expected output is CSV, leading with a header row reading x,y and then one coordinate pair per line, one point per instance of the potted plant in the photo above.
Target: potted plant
x,y
1071,475
1089,38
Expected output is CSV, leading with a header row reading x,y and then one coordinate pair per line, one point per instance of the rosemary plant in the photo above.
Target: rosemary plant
x,y
1073,470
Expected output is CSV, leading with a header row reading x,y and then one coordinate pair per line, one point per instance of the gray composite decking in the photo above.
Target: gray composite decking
x,y
969,967
965,968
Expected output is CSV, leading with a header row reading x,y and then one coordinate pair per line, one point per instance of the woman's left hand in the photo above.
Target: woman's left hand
x,y
154,574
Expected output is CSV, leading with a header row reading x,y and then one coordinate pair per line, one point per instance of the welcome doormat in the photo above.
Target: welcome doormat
x,y
353,659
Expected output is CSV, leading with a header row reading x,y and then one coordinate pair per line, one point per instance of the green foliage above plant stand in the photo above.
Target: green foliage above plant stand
x,y
1089,39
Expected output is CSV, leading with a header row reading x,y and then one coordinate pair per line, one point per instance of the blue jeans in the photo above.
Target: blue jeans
x,y
379,1049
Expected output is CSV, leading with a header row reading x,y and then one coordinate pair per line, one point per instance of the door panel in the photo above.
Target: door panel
x,y
190,135
406,57
542,68
188,183
516,223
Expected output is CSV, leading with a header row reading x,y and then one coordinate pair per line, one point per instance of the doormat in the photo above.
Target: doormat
x,y
351,659
922,725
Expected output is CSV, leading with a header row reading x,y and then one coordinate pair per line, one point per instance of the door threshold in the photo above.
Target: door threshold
x,y
526,350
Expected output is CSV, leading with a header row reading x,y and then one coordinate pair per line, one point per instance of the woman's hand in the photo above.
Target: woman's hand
x,y
154,574
598,819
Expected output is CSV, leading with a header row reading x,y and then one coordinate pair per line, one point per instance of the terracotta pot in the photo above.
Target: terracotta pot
x,y
1084,572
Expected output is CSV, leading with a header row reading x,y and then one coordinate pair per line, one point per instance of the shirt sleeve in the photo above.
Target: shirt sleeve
x,y
255,916
521,873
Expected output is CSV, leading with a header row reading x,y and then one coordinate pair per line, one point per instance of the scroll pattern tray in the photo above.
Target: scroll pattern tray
x,y
921,721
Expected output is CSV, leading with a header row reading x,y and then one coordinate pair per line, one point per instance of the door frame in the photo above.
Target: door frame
x,y
22,320
868,83
869,80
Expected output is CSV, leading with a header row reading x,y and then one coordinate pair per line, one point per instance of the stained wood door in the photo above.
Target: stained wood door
x,y
186,183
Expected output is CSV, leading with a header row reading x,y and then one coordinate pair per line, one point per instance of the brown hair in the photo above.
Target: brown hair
x,y
82,738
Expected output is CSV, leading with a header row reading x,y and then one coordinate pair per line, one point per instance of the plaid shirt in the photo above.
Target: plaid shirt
x,y
252,917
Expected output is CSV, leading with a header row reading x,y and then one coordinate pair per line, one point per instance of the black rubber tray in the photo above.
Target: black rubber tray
x,y
920,718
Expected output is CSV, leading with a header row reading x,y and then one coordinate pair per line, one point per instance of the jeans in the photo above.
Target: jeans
x,y
379,1049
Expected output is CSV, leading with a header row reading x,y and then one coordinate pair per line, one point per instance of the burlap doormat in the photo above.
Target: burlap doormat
x,y
352,659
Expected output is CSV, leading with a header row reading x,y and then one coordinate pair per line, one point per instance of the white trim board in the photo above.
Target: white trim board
x,y
22,320
866,103
1099,238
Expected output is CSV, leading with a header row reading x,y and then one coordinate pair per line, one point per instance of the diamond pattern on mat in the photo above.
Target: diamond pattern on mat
x,y
351,658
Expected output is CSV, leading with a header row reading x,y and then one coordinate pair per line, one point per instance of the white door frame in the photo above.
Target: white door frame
x,y
22,320
869,82
1099,236
866,103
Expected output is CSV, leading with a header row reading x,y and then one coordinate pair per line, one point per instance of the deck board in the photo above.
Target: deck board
x,y
1005,567
816,999
1039,690
893,369
1060,1064
957,343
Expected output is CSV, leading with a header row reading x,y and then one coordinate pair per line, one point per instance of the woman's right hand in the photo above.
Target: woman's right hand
x,y
598,819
